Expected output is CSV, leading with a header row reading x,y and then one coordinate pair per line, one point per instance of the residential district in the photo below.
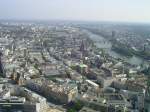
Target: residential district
x,y
58,68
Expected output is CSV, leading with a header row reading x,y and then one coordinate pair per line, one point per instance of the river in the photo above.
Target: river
x,y
101,42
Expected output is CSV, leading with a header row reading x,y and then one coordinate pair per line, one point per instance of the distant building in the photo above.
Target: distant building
x,y
113,34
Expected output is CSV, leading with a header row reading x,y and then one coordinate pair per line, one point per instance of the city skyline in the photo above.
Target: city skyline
x,y
84,10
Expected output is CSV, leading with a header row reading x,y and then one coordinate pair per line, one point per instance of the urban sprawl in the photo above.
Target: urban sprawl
x,y
58,68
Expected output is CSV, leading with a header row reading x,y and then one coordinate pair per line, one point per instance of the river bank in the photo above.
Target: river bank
x,y
103,43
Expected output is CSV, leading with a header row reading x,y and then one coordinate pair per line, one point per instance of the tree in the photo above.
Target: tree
x,y
148,82
146,71
71,110
78,105
75,107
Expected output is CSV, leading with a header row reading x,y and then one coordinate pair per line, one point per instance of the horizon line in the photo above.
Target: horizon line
x,y
77,20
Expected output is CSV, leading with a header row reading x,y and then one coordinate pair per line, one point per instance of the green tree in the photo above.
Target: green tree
x,y
78,105
146,71
148,82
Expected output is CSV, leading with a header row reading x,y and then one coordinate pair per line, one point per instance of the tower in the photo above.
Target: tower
x,y
13,46
1,65
145,45
113,34
82,47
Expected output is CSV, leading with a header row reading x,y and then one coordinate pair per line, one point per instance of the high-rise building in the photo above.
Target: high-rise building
x,y
82,47
1,65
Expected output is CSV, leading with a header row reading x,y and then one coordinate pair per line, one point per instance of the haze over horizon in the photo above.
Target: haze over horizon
x,y
84,10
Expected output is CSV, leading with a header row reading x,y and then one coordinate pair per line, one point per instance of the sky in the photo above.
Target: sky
x,y
84,10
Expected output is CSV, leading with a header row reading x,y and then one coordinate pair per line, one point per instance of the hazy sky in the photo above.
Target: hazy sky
x,y
107,10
